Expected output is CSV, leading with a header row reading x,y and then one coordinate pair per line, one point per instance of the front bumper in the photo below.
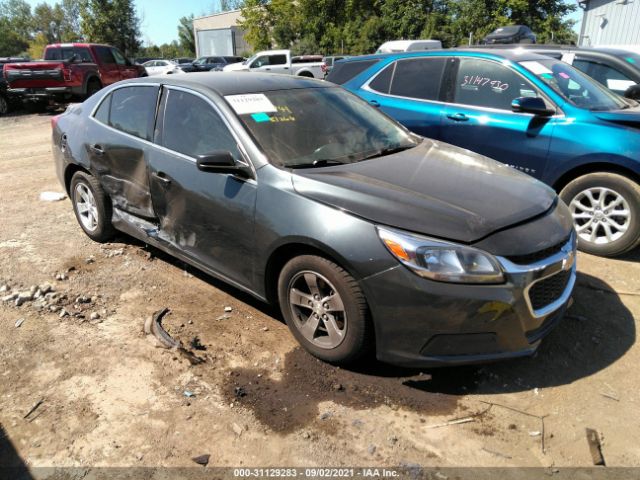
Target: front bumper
x,y
422,323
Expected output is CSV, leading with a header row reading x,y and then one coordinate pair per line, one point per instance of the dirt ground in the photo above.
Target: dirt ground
x,y
110,397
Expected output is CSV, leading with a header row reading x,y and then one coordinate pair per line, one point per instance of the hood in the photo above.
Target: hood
x,y
235,67
630,117
434,189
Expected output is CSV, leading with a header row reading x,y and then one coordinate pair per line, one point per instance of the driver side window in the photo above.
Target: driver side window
x,y
192,127
488,84
260,62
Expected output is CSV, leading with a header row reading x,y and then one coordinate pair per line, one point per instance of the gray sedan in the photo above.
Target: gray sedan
x,y
294,190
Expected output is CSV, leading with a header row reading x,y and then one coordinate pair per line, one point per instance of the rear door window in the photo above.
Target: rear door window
x,y
192,127
342,72
131,110
382,82
120,60
277,59
83,54
483,83
418,78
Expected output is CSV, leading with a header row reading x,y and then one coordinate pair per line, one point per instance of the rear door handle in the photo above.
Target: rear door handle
x,y
374,103
458,117
97,149
162,177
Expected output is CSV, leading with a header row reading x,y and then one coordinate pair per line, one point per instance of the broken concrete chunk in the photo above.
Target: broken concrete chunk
x,y
23,297
202,459
237,429
19,322
94,316
10,297
228,309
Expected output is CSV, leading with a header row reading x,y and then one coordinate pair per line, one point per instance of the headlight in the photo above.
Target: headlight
x,y
441,261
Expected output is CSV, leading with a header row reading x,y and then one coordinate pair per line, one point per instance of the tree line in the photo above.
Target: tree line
x,y
25,31
360,26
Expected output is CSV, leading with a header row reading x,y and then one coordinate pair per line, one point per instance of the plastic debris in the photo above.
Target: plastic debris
x,y
52,196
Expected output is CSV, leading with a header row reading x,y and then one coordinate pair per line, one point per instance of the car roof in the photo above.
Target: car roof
x,y
235,83
513,54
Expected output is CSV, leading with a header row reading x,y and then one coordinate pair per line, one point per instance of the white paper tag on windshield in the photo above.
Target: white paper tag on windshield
x,y
250,103
535,67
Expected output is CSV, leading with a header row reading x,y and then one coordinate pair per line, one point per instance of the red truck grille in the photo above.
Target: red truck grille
x,y
24,74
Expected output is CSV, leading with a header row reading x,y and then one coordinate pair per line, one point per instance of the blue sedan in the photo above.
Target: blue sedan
x,y
531,112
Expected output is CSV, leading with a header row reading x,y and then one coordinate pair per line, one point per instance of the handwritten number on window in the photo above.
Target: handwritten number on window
x,y
477,80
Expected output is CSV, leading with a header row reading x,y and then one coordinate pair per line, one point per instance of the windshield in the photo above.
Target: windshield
x,y
505,30
314,127
574,86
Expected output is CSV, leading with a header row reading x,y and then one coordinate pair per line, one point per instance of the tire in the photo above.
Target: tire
x,y
4,105
36,107
96,223
606,212
347,311
93,87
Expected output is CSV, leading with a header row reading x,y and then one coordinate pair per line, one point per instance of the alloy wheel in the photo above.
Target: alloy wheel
x,y
317,309
600,215
86,206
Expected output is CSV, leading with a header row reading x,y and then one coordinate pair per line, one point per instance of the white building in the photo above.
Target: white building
x,y
219,34
610,22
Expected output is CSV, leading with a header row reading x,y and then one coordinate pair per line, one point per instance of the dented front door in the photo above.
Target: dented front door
x,y
207,216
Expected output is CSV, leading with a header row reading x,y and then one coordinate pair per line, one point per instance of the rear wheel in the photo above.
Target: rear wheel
x,y
92,207
93,87
325,309
606,212
4,105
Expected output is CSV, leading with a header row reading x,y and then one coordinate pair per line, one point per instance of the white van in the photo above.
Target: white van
x,y
396,46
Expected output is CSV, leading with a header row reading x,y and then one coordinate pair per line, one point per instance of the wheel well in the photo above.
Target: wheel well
x,y
305,74
70,172
280,257
593,168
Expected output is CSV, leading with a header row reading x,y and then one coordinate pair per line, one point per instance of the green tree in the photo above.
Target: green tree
x,y
17,13
47,21
111,21
256,24
186,35
70,30
11,44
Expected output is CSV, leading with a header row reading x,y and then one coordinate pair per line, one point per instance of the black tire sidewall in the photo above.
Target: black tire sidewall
x,y
93,87
4,105
104,230
623,186
355,343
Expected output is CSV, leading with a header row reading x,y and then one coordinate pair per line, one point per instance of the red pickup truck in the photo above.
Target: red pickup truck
x,y
69,71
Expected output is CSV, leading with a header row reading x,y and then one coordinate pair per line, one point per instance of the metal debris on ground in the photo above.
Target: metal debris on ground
x,y
202,459
595,447
153,326
19,322
52,196
452,422
188,394
239,392
497,454
522,412
34,408
228,309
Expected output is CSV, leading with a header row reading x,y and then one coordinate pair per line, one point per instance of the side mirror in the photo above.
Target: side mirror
x,y
221,161
535,105
633,92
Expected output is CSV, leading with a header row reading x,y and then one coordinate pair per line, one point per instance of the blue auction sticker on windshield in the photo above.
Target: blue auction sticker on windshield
x,y
260,117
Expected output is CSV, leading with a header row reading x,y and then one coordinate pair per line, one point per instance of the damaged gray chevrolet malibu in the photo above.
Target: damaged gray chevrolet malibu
x,y
296,191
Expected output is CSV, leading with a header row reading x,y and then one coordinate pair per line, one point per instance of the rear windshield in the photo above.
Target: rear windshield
x,y
506,30
344,71
292,129
65,53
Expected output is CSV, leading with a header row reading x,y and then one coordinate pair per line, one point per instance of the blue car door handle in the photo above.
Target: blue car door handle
x,y
458,117
374,103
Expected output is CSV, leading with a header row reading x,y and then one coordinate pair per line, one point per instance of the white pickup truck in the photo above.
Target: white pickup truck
x,y
281,61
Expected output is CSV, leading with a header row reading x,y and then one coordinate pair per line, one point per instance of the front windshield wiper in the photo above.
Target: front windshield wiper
x,y
317,163
388,151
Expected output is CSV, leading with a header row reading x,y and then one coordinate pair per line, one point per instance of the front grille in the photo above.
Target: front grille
x,y
53,74
537,256
549,290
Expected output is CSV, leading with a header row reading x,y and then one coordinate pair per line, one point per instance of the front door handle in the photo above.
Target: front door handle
x,y
267,69
97,149
458,117
374,103
162,177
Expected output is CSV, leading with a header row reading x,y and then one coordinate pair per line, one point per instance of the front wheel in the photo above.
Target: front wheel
x,y
325,309
606,212
4,105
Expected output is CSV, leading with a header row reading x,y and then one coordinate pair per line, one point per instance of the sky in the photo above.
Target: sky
x,y
159,18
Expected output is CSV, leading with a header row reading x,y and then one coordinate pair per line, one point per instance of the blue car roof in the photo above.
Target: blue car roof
x,y
513,54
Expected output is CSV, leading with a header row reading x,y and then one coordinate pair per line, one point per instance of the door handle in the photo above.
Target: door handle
x,y
374,103
458,117
286,68
267,69
97,149
161,177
